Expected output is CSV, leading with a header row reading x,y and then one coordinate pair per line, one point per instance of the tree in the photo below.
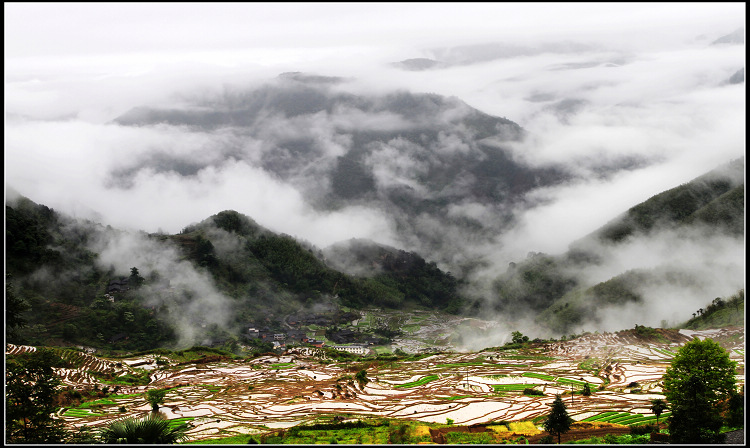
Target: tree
x,y
14,308
657,407
152,429
558,421
155,397
135,279
361,378
736,410
700,377
30,394
518,337
586,390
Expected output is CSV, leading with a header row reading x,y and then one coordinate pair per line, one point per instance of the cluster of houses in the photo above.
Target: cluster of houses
x,y
294,336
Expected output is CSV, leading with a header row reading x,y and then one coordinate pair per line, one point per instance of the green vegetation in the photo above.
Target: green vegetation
x,y
239,439
658,406
267,274
96,404
79,413
30,398
512,387
533,392
14,309
536,283
363,431
139,377
459,437
420,382
700,378
282,365
611,439
719,313
712,203
152,429
577,383
709,199
155,397
461,364
623,418
541,376
557,421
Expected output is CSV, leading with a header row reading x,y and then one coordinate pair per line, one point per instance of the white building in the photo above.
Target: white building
x,y
356,349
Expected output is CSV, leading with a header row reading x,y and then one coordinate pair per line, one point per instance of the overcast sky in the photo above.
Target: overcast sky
x,y
650,84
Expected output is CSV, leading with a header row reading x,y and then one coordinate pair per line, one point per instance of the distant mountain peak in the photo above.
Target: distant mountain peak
x,y
735,37
310,78
418,64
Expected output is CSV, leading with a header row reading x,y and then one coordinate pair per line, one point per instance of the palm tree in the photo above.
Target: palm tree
x,y
152,429
155,397
657,407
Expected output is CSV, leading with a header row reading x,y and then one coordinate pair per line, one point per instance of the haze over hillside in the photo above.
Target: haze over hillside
x,y
227,272
507,130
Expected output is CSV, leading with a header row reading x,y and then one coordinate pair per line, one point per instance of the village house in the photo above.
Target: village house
x,y
356,349
296,335
118,285
315,343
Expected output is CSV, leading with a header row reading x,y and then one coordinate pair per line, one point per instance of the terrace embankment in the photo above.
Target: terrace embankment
x,y
223,397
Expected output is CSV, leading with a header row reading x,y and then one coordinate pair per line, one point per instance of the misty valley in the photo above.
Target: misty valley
x,y
255,335
439,321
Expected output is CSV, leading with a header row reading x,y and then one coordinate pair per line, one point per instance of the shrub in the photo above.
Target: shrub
x,y
152,429
638,430
586,390
532,391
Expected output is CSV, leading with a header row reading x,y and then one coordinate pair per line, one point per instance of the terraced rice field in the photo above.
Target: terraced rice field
x,y
252,396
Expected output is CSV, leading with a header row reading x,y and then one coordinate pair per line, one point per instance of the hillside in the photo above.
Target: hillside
x,y
422,160
698,217
92,285
715,199
85,284
497,395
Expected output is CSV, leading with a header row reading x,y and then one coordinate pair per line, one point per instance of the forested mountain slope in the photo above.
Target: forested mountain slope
x,y
93,285
439,171
672,253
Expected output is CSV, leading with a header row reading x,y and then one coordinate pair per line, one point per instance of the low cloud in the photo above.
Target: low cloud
x,y
190,295
631,105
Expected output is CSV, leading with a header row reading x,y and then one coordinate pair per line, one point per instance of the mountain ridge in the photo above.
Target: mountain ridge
x,y
243,269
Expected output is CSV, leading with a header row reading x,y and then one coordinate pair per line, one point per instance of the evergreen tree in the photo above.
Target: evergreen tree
x,y
30,394
558,421
14,308
135,279
700,378
586,390
736,409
